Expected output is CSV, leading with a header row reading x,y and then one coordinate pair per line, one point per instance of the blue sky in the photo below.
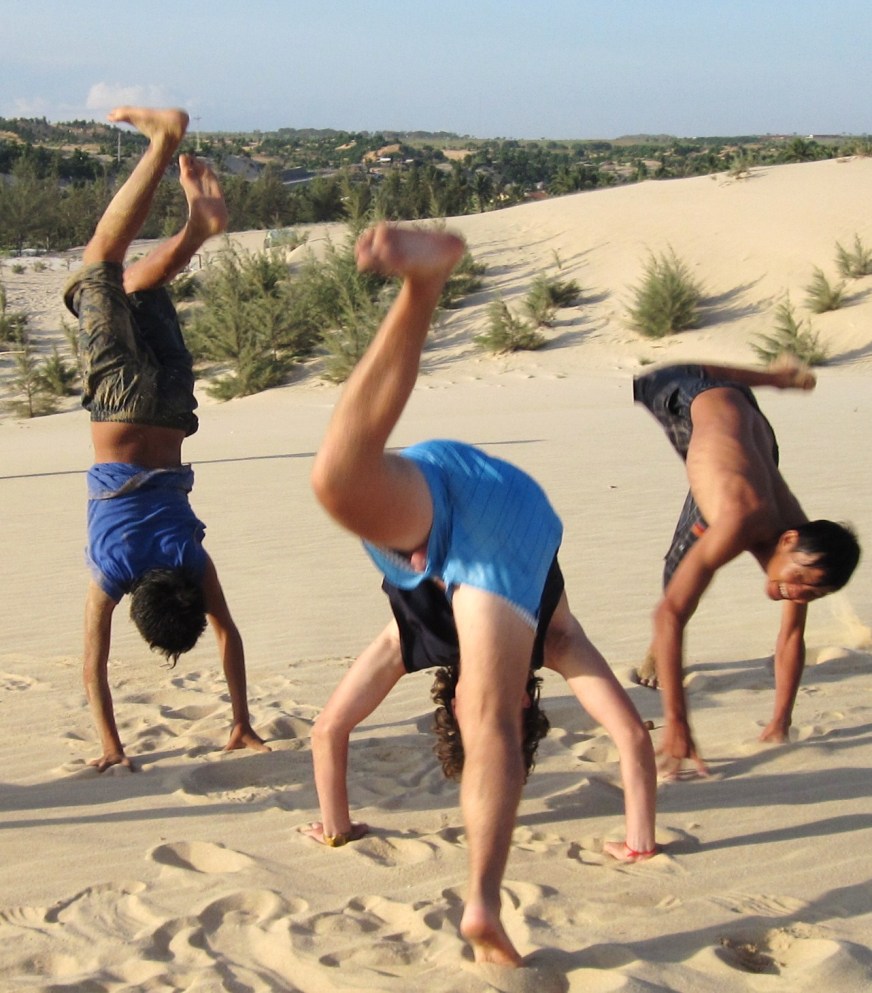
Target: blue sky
x,y
488,68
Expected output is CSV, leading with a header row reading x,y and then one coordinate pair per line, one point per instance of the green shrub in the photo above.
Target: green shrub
x,y
546,296
71,333
333,302
57,376
667,300
790,337
506,333
33,398
13,324
822,295
854,263
465,279
244,321
183,288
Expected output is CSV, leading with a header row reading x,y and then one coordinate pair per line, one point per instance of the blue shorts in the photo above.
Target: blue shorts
x,y
137,369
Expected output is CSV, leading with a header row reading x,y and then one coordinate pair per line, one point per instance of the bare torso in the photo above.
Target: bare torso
x,y
137,444
733,475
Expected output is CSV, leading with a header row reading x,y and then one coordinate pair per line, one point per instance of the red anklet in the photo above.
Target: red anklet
x,y
640,855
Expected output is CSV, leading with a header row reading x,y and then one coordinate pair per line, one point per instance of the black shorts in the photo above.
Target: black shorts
x,y
428,634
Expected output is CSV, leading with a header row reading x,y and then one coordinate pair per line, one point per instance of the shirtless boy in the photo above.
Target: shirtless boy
x,y
468,546
143,537
738,502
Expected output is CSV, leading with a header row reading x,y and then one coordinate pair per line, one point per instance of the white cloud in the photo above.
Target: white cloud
x,y
105,96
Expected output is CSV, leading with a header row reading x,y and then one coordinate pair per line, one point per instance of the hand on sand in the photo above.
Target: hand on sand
x,y
676,746
646,673
775,732
242,735
621,851
112,758
316,831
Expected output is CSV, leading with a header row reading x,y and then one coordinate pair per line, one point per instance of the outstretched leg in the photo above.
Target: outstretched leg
x,y
378,496
207,217
128,209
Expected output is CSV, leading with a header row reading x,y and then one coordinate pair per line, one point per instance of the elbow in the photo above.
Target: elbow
x,y
329,486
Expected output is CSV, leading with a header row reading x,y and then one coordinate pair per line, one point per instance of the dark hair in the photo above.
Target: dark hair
x,y
834,547
168,608
449,744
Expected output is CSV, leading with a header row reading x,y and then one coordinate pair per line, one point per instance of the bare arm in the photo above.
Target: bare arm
x,y
570,653
95,672
232,654
789,664
717,546
373,675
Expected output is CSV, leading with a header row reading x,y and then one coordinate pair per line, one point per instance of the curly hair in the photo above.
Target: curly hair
x,y
449,744
168,608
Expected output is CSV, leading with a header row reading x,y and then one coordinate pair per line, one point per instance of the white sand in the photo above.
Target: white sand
x,y
191,875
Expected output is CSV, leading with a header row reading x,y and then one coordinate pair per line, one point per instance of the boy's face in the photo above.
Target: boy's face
x,y
792,575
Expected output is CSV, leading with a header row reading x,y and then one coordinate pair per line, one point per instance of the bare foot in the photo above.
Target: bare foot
x,y
158,125
406,252
791,373
207,212
485,933
646,673
775,732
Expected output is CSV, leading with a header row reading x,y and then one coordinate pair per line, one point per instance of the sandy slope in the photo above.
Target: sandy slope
x,y
191,875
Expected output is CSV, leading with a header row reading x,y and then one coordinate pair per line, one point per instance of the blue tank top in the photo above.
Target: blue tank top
x,y
493,527
140,519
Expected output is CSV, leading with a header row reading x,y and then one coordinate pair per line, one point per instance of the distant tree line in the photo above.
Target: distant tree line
x,y
50,197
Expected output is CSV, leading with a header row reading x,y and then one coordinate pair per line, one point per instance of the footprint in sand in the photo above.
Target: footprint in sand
x,y
800,956
245,777
405,849
598,750
759,904
12,681
396,936
249,907
534,976
193,712
200,856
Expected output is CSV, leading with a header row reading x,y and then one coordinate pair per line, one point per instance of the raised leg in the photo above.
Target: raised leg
x,y
207,217
128,209
382,498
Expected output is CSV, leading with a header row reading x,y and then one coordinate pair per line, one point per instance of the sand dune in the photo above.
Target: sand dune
x,y
191,874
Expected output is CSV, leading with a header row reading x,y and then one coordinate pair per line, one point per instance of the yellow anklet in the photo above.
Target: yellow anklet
x,y
336,840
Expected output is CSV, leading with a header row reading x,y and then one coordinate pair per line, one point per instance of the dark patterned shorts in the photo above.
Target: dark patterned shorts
x,y
137,369
668,393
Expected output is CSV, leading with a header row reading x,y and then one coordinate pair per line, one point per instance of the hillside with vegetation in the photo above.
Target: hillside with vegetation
x,y
55,179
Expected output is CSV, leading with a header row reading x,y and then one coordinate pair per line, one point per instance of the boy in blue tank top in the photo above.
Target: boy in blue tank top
x,y
468,547
138,384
